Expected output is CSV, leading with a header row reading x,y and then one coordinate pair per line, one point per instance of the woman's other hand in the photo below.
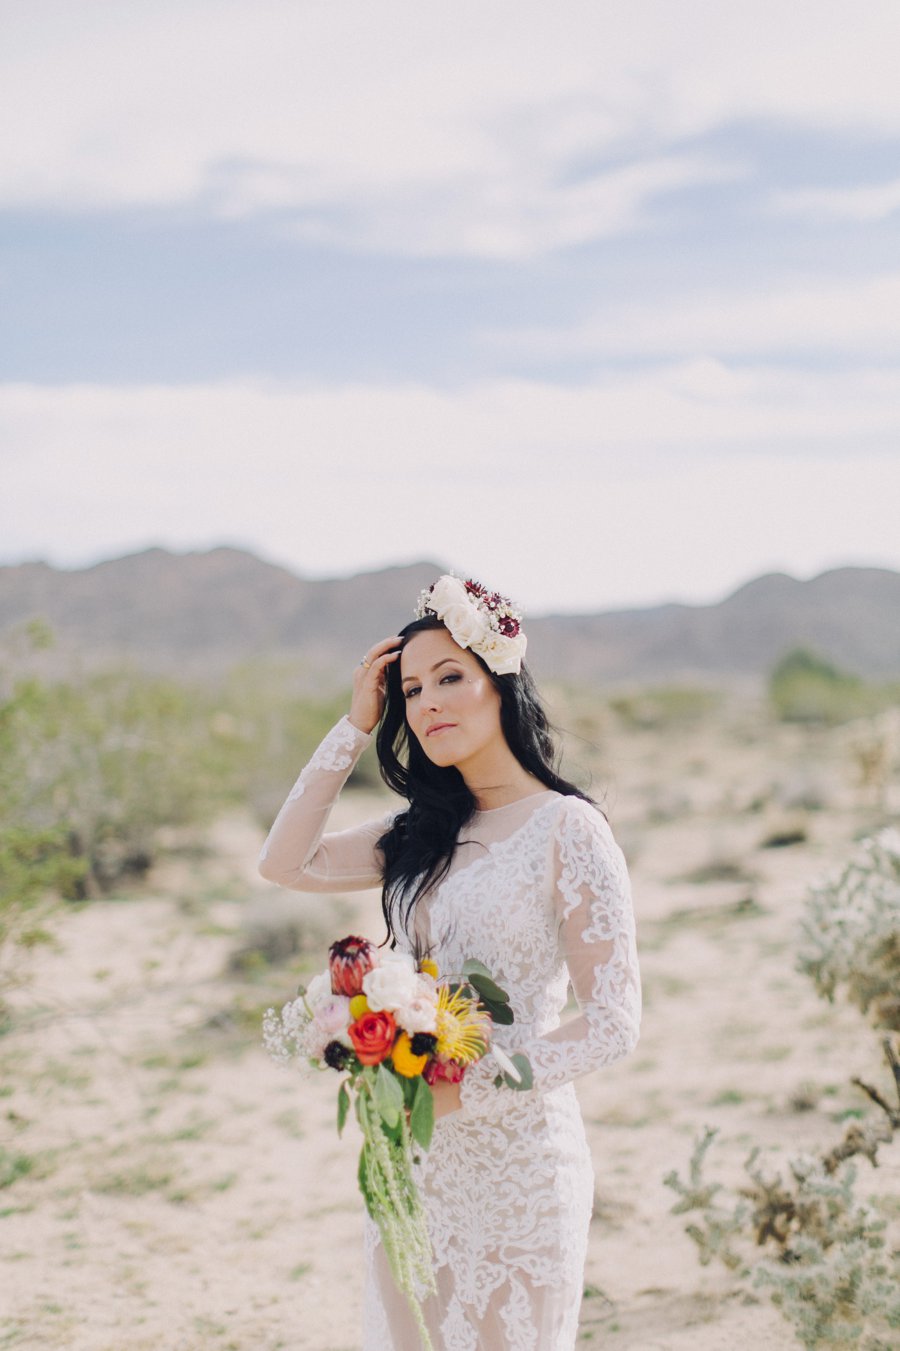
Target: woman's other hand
x,y
368,684
446,1098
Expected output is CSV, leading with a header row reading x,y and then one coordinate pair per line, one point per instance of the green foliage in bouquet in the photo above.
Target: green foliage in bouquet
x,y
392,1114
851,931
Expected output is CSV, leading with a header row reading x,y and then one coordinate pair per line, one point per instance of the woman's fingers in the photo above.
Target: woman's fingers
x,y
377,653
368,682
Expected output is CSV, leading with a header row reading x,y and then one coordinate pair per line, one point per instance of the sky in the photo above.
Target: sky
x,y
598,302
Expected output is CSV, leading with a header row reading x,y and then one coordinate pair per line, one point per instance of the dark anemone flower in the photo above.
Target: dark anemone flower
x,y
423,1043
337,1055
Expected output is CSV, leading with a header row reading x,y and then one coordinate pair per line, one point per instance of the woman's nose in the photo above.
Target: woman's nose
x,y
432,698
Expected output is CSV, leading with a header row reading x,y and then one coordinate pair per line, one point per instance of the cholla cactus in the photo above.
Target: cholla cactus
x,y
851,931
826,1255
808,1237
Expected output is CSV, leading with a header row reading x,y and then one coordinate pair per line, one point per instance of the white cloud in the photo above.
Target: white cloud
x,y
501,129
865,203
676,482
859,317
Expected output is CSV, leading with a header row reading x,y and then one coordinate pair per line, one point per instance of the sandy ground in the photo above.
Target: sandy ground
x,y
181,1193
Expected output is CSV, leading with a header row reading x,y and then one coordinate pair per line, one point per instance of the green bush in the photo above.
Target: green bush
x,y
665,706
851,931
805,687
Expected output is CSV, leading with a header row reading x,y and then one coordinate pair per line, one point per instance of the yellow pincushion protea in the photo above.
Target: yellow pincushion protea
x,y
405,1062
462,1028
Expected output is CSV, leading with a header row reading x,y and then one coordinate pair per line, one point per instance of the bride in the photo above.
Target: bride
x,y
496,857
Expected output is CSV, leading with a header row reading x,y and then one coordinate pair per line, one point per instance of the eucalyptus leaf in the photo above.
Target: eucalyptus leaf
x,y
388,1096
500,1013
523,1065
421,1117
343,1107
363,1178
472,967
489,989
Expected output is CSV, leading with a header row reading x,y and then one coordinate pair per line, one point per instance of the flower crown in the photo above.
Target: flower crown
x,y
478,619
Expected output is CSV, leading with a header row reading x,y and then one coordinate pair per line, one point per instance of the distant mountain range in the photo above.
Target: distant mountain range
x,y
200,613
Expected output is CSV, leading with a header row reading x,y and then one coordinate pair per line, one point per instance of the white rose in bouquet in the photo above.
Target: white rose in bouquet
x,y
394,982
418,1014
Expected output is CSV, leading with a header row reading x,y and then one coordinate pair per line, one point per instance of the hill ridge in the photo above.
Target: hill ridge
x,y
200,611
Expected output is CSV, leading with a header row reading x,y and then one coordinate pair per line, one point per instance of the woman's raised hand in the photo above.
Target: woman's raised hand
x,y
368,683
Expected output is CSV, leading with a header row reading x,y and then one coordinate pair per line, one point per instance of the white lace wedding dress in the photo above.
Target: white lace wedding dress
x,y
538,891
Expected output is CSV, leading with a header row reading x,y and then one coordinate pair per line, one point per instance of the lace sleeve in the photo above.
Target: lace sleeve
x,y
597,939
297,853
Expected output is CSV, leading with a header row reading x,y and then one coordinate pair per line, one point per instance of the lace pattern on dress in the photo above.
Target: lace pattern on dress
x,y
508,1182
335,753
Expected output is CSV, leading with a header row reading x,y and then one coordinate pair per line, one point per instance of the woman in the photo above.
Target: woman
x,y
497,858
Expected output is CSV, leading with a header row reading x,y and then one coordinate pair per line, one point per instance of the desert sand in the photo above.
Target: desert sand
x,y
178,1191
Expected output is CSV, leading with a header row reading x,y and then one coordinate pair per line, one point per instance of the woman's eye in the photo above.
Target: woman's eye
x,y
413,689
450,676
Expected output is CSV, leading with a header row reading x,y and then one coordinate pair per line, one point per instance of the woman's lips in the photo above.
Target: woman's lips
x,y
440,727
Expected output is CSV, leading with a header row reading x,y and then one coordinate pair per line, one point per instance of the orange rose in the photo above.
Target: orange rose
x,y
373,1035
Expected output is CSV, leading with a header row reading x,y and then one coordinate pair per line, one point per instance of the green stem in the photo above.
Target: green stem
x,y
394,1204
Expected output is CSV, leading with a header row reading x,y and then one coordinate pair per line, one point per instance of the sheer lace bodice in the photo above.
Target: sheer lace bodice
x,y
538,891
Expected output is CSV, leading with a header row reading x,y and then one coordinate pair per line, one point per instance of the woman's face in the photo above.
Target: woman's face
x,y
452,706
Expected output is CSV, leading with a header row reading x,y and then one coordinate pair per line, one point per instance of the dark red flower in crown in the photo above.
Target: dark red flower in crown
x,y
349,959
481,620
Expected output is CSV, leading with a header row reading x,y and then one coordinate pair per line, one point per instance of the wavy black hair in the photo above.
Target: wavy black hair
x,y
419,845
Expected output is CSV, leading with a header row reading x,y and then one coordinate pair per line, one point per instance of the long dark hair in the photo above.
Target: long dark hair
x,y
419,845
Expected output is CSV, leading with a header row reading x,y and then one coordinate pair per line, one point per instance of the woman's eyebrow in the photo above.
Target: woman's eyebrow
x,y
443,662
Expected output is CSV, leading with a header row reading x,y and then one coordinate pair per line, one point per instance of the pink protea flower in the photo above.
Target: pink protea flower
x,y
349,960
450,1070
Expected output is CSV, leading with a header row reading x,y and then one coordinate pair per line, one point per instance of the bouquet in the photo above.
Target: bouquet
x,y
393,1028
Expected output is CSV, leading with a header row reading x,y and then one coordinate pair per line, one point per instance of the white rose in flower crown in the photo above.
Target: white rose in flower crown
x,y
504,655
447,591
393,983
467,625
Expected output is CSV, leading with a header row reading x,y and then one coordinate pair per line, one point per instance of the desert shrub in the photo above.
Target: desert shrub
x,y
851,931
278,730
804,1235
90,771
825,1254
805,687
665,706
